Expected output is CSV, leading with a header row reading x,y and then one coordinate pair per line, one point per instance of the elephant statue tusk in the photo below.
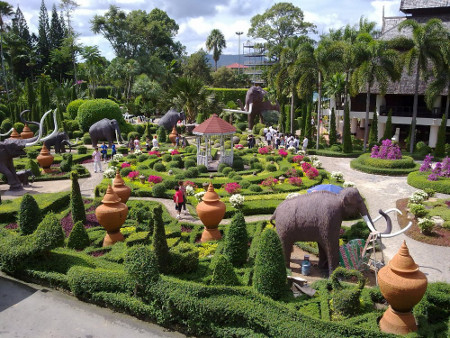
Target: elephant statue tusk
x,y
250,107
117,138
55,130
8,132
29,144
372,229
388,222
387,212
369,223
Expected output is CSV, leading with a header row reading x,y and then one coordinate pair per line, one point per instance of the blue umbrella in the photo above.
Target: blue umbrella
x,y
327,187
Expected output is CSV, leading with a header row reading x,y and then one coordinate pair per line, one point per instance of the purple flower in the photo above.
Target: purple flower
x,y
426,165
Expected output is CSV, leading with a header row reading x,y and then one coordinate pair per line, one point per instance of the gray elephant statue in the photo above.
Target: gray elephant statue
x,y
59,141
317,217
170,119
255,105
11,148
24,176
105,130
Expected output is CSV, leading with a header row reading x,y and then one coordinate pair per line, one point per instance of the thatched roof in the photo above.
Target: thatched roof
x,y
411,6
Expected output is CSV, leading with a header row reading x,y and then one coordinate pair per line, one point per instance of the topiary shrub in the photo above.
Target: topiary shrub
x,y
191,173
178,159
238,164
159,190
237,177
183,258
255,188
227,170
78,238
142,265
32,154
87,139
257,128
29,215
336,148
256,166
34,167
244,184
139,212
82,150
66,163
93,111
231,174
166,158
346,302
6,125
125,171
76,201
202,169
49,234
159,241
271,167
72,108
173,164
189,163
269,277
162,135
142,157
222,166
222,271
236,240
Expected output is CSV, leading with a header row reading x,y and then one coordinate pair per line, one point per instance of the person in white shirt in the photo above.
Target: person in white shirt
x,y
305,144
155,141
269,138
97,160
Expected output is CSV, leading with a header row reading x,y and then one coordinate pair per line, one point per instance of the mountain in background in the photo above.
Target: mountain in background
x,y
225,60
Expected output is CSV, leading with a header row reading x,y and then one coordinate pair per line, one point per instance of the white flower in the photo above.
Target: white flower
x,y
292,149
281,147
190,190
292,195
418,196
170,150
301,152
348,184
155,148
317,164
199,195
110,172
138,152
237,200
313,158
338,176
117,157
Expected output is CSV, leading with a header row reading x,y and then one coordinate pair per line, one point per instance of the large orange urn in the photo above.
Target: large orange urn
x,y
211,211
403,286
173,135
45,159
26,132
14,134
119,187
111,215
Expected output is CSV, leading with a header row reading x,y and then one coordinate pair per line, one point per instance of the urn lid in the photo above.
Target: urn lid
x,y
26,128
211,195
110,197
402,261
15,134
118,180
44,150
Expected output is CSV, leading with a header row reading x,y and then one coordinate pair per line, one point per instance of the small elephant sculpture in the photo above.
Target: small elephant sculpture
x,y
170,119
24,176
317,217
107,130
255,105
59,141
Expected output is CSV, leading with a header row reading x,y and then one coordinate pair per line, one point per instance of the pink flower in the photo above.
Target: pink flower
x,y
239,146
154,152
306,166
312,173
125,165
297,159
174,152
192,184
232,188
297,181
269,182
133,174
154,179
263,150
282,152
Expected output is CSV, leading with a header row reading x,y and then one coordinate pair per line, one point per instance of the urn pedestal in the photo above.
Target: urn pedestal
x,y
26,132
45,159
211,211
111,215
119,187
173,135
403,286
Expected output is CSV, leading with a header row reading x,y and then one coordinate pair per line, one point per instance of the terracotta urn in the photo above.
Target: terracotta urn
x,y
111,215
403,285
119,187
15,134
26,132
45,159
211,211
173,135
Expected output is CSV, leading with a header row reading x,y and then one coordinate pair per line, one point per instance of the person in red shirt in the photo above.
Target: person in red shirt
x,y
179,200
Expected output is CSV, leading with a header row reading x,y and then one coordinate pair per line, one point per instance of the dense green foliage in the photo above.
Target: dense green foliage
x,y
439,151
420,180
142,264
333,136
76,201
92,111
29,215
66,163
236,240
78,238
222,271
373,133
378,166
346,138
388,129
72,108
159,241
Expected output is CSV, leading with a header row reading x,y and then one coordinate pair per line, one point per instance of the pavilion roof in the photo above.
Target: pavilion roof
x,y
214,126
236,66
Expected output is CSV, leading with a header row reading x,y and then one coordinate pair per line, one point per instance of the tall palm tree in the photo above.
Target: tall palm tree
x,y
5,11
334,87
216,42
425,45
380,63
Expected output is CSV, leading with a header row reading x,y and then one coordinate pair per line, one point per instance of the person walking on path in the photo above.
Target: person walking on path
x,y
97,160
183,190
131,145
183,142
155,142
178,199
113,150
104,151
305,144
147,144
137,144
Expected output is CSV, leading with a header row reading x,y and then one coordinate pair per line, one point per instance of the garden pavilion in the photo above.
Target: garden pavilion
x,y
214,126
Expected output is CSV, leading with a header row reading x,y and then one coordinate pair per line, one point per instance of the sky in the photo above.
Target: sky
x,y
196,18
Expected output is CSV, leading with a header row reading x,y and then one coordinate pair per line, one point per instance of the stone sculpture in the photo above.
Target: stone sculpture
x,y
170,119
59,141
105,129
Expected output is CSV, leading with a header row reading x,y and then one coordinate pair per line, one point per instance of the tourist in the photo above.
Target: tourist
x,y
147,144
177,140
131,145
296,143
97,160
178,199
183,190
305,144
104,151
113,150
269,138
137,144
155,142
183,142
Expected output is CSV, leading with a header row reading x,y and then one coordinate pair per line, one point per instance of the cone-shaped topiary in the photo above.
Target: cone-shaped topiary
x,y
236,240
78,238
160,241
347,138
162,135
222,271
388,129
439,151
49,234
255,241
269,276
333,137
34,167
373,132
29,215
142,264
76,201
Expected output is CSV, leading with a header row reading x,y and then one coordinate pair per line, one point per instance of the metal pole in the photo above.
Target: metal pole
x,y
239,50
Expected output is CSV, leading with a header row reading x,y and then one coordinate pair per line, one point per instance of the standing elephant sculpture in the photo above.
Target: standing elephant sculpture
x,y
317,217
255,105
11,148
59,141
105,130
170,119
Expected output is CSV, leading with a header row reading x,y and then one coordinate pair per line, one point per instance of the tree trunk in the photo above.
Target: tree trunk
x,y
414,117
346,88
366,122
447,104
291,127
319,110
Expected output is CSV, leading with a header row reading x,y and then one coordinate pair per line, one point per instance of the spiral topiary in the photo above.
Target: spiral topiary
x,y
29,215
162,135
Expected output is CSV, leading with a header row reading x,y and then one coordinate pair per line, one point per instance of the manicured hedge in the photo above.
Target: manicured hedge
x,y
369,165
72,108
329,153
419,180
92,111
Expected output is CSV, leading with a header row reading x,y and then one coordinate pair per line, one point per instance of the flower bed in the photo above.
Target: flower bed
x,y
379,166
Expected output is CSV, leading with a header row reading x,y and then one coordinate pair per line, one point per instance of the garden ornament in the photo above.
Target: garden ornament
x,y
59,141
170,119
11,148
24,175
317,217
105,129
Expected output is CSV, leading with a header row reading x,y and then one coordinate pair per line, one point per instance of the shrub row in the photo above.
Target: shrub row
x,y
330,153
358,165
419,180
406,162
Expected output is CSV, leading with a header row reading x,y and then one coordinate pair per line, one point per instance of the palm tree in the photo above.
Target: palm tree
x,y
5,11
425,45
380,63
334,87
189,94
215,42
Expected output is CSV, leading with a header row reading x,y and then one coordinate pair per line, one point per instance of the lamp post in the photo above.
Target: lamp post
x,y
239,50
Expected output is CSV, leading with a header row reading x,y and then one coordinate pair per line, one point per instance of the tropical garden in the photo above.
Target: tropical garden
x,y
162,272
